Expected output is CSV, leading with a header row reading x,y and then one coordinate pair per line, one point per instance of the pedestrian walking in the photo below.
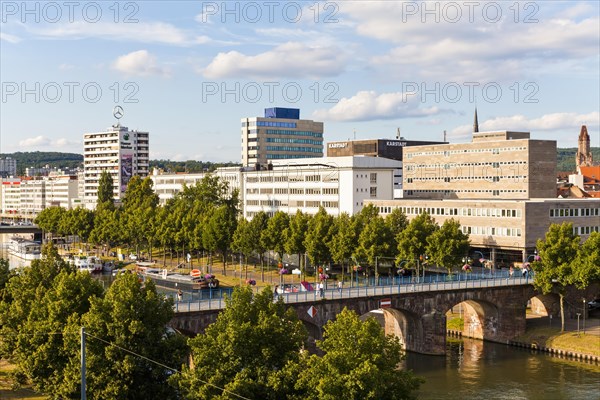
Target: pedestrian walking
x,y
321,289
179,295
340,284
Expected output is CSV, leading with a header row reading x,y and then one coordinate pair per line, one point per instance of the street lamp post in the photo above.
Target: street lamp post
x,y
584,316
578,314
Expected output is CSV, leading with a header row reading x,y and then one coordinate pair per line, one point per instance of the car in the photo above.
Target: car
x,y
594,304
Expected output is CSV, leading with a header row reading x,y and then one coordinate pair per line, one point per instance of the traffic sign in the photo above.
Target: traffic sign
x,y
312,311
385,303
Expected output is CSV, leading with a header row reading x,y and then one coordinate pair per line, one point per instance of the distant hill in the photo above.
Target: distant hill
x,y
565,158
565,161
37,159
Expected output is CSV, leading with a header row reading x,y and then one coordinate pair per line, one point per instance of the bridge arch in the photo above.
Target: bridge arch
x,y
480,319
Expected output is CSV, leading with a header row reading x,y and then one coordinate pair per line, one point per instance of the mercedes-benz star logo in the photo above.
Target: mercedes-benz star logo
x,y
118,112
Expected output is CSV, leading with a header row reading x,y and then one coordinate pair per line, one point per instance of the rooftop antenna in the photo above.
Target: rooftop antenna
x,y
445,135
354,134
118,113
398,133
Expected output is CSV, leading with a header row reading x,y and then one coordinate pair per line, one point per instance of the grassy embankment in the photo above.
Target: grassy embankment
x,y
6,385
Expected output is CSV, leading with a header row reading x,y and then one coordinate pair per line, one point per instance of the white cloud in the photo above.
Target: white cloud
x,y
139,63
9,38
145,32
547,122
35,141
368,106
475,50
290,60
65,67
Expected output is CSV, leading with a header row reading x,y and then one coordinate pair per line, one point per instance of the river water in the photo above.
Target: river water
x,y
476,370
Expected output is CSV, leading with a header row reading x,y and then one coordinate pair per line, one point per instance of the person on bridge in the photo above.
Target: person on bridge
x,y
321,289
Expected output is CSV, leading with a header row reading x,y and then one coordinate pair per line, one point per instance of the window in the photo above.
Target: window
x,y
373,177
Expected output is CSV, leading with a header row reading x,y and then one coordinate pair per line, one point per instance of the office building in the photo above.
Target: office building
x,y
8,167
280,134
495,165
118,150
386,148
339,184
10,196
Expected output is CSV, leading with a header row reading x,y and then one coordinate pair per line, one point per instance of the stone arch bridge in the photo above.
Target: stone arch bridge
x,y
493,310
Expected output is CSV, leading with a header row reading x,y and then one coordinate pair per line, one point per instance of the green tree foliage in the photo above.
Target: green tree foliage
x,y
138,216
258,225
275,233
318,237
105,191
242,238
360,362
218,231
295,235
412,241
396,222
51,219
587,264
375,240
342,241
190,166
131,316
243,351
555,271
448,245
40,306
5,275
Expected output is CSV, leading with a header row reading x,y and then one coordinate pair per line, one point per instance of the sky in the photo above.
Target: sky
x,y
188,71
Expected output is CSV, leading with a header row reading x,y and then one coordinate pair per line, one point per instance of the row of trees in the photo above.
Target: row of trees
x,y
254,350
205,217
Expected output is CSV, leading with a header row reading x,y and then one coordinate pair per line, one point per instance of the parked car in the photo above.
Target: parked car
x,y
594,304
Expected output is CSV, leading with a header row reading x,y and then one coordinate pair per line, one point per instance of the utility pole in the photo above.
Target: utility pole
x,y
83,363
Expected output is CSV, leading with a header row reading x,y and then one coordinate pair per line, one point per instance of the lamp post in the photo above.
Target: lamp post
x,y
578,314
584,316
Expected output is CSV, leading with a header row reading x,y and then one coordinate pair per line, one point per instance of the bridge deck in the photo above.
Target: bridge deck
x,y
368,291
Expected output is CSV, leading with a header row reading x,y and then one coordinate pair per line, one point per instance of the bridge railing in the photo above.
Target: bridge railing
x,y
400,286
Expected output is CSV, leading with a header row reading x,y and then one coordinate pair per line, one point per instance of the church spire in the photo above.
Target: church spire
x,y
475,123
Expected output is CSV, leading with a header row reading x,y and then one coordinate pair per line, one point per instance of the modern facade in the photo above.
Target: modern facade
x,y
8,167
166,186
504,230
386,148
118,150
62,191
33,197
10,196
280,134
495,165
339,184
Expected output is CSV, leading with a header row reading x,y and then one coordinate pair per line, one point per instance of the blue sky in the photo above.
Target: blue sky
x,y
187,71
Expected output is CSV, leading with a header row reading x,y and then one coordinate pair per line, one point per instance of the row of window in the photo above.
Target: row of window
x,y
463,151
494,192
585,230
296,149
452,211
270,123
286,156
491,231
574,212
293,141
296,203
293,133
435,166
461,178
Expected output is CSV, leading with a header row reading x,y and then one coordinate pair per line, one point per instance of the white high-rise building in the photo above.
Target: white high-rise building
x,y
121,152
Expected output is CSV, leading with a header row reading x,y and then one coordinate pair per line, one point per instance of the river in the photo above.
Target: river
x,y
475,370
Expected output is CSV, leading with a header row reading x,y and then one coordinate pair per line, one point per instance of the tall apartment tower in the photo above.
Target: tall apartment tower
x,y
584,153
8,167
280,134
121,152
